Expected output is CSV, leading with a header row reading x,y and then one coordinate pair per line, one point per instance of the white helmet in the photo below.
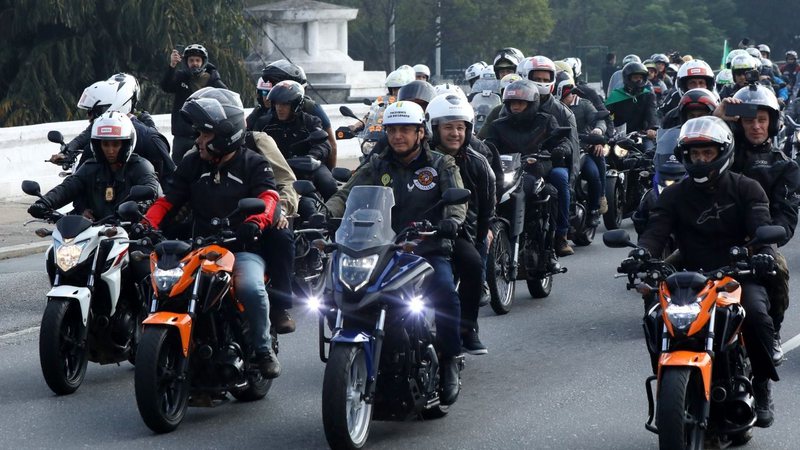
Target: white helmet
x,y
474,71
98,97
575,63
488,73
399,78
113,126
403,113
128,92
696,68
448,108
724,77
448,88
763,48
535,63
752,51
422,69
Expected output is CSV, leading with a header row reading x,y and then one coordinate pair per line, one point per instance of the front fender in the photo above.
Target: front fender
x,y
362,338
183,322
80,294
698,360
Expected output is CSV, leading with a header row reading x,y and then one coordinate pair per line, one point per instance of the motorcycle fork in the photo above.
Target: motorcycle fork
x,y
323,338
377,345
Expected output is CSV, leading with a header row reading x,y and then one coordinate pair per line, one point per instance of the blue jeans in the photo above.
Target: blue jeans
x,y
447,305
248,282
559,178
593,171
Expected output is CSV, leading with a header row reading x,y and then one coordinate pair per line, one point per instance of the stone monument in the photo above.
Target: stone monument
x,y
313,35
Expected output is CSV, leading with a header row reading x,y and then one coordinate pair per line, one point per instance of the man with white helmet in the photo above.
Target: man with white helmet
x,y
695,74
419,176
422,72
473,72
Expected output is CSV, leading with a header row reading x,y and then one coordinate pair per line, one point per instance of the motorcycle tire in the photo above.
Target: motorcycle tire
x,y
162,392
540,287
615,197
136,337
501,285
437,412
741,438
257,388
62,356
346,416
680,396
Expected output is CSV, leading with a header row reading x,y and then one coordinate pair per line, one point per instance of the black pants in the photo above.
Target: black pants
x,y
778,290
277,249
758,329
468,264
326,185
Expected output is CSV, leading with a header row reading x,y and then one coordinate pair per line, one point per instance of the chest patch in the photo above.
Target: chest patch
x,y
386,179
425,178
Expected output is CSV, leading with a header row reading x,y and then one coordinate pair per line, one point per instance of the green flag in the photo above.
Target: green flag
x,y
725,52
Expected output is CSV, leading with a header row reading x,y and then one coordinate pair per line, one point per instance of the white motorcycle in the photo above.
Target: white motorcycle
x,y
94,309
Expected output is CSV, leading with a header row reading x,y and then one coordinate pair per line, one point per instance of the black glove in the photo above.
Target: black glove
x,y
39,209
640,253
138,230
762,264
557,157
247,232
629,265
448,228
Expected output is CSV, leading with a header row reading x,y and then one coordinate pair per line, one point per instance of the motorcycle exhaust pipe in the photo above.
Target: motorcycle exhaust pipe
x,y
718,394
741,408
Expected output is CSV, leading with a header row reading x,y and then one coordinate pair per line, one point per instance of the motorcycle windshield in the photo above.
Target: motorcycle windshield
x,y
367,220
484,102
666,141
486,85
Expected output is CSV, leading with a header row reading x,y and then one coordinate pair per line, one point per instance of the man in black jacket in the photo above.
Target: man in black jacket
x,y
709,212
182,82
634,104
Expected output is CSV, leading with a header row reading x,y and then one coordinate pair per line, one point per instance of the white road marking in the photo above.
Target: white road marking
x,y
19,333
791,344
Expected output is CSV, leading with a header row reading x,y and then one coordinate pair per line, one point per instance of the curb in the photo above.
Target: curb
x,y
16,251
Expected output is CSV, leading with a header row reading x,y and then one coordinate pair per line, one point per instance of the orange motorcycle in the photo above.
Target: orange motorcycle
x,y
195,347
693,333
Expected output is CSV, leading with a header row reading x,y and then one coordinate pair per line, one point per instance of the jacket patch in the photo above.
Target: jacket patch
x,y
713,212
386,179
425,178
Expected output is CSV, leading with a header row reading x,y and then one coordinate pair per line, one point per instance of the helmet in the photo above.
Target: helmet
x,y
488,73
288,92
686,58
650,64
628,71
474,71
763,97
196,50
422,69
564,84
529,65
448,108
508,58
417,90
399,78
508,79
724,77
660,58
708,130
448,88
763,48
766,67
575,64
697,99
743,62
752,51
669,171
630,58
562,66
218,111
733,54
792,54
128,92
113,126
98,97
403,113
283,70
672,70
695,69
263,88
524,90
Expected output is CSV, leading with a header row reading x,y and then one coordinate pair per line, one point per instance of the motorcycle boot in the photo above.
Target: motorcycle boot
x,y
777,350
282,321
562,247
603,205
268,364
765,408
471,343
450,380
486,296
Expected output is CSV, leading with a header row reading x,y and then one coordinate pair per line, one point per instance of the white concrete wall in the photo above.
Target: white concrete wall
x,y
23,150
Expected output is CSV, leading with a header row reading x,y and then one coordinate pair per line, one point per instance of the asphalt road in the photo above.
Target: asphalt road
x,y
565,372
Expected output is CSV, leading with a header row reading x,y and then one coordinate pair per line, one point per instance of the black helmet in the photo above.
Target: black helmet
x,y
196,50
628,71
703,131
289,92
218,111
417,91
282,69
762,96
524,90
696,99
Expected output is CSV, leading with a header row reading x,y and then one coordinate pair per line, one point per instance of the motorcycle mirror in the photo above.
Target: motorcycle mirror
x,y
55,137
141,193
455,196
31,188
304,187
129,211
250,206
593,139
347,112
367,102
341,174
617,239
768,234
600,115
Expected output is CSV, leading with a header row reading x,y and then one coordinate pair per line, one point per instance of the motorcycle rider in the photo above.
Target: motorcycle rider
x,y
422,72
741,65
182,82
709,212
394,81
635,104
608,69
695,74
450,119
778,175
211,181
506,61
656,84
473,72
790,69
616,78
668,173
662,62
418,177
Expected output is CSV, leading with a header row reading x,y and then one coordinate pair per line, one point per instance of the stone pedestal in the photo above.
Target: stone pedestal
x,y
313,35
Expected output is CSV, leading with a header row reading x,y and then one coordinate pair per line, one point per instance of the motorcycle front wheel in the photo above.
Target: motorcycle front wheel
x,y
615,197
346,416
62,355
162,391
501,284
679,410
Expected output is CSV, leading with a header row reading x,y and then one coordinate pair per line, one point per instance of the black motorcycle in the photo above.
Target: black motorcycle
x,y
629,174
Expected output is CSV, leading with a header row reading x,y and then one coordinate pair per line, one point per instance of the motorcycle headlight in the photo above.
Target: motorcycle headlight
x,y
620,152
355,272
367,146
166,278
682,316
508,178
68,255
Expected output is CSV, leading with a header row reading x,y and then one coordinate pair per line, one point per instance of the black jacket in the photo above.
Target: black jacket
x,y
707,222
93,180
639,112
288,136
260,116
565,118
479,178
180,82
524,133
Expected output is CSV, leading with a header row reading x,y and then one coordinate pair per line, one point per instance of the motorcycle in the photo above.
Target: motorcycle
x,y
372,132
693,334
95,308
71,157
793,136
483,102
195,346
381,361
629,173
